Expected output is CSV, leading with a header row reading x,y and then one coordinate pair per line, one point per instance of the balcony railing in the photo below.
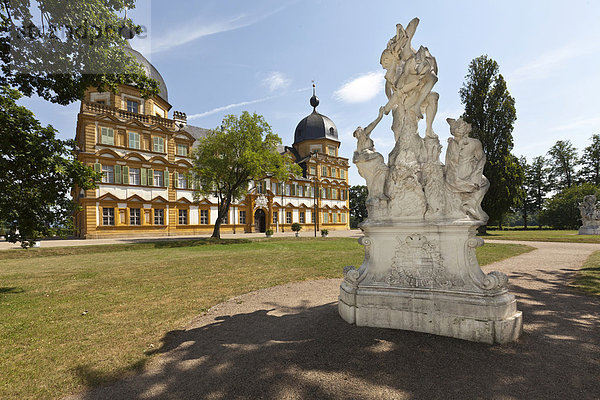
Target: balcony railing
x,y
97,108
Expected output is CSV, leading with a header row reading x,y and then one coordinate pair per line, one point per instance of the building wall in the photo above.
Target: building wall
x,y
127,197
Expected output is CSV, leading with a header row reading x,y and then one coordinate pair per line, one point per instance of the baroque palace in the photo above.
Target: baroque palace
x,y
144,158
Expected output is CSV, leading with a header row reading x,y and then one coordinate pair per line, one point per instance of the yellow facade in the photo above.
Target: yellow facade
x,y
145,158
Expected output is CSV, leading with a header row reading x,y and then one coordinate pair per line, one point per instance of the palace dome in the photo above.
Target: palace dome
x,y
315,125
151,71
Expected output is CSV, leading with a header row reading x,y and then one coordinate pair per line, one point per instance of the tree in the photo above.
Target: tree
x,y
562,161
231,156
358,207
77,45
535,187
490,109
590,162
37,172
562,211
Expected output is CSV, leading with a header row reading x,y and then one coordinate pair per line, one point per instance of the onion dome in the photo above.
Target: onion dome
x,y
151,71
315,126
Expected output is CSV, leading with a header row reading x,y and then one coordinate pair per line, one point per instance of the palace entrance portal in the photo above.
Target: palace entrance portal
x,y
260,223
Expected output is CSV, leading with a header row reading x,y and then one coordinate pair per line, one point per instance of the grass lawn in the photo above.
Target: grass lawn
x,y
588,277
75,317
542,236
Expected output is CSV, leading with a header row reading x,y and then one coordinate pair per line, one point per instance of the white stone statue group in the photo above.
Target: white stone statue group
x,y
414,184
590,216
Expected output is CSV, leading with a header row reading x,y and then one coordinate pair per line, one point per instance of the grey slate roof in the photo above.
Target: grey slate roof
x,y
315,126
151,71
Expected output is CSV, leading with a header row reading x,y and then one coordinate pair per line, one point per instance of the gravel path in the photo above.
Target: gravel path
x,y
288,342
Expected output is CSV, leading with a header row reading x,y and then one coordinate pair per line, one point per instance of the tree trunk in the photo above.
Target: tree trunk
x,y
222,211
525,219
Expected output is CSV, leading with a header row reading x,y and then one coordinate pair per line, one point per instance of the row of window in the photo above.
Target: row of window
x,y
294,189
331,172
107,136
135,217
140,176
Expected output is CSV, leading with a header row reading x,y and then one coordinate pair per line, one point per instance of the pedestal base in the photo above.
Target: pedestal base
x,y
425,277
484,319
589,230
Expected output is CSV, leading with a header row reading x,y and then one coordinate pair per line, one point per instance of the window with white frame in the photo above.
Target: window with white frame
x,y
288,190
107,136
159,216
158,144
242,217
331,150
323,171
342,173
275,217
302,217
288,217
158,178
182,149
133,106
312,217
134,140
108,174
183,217
313,170
334,194
204,217
325,218
343,215
134,176
181,181
334,215
225,219
134,216
108,216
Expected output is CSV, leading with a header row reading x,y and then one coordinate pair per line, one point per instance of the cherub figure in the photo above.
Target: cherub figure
x,y
465,160
363,135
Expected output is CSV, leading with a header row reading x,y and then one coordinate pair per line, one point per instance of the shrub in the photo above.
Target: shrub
x,y
562,210
296,227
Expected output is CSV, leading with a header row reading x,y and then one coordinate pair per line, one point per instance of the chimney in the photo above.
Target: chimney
x,y
180,118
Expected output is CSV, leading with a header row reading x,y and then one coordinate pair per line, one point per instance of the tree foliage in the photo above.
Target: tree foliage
x,y
37,172
535,187
242,149
73,45
358,204
563,160
490,109
562,211
590,162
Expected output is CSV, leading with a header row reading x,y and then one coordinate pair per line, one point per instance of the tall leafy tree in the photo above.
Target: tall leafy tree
x,y
590,162
242,149
37,172
563,161
358,204
69,46
490,109
562,210
535,186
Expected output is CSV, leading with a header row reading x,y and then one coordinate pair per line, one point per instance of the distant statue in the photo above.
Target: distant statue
x,y
590,216
465,160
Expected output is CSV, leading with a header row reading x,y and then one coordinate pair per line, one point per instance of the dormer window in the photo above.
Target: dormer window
x,y
133,106
182,150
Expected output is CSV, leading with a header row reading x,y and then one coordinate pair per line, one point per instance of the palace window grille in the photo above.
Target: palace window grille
x,y
134,216
242,217
133,106
302,217
183,217
204,217
108,174
159,216
108,216
288,217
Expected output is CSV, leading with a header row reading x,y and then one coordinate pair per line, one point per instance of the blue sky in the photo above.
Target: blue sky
x,y
223,57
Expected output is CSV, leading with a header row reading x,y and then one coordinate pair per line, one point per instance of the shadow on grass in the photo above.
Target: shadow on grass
x,y
135,245
11,290
311,353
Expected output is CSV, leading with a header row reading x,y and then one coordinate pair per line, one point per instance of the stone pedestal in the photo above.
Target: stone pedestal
x,y
589,230
425,277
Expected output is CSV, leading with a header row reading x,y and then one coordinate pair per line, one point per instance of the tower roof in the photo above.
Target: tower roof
x,y
150,70
315,125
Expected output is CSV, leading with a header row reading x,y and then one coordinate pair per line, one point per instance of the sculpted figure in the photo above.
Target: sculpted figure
x,y
371,167
465,160
589,215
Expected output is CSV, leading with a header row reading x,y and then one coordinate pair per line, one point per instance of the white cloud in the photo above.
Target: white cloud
x,y
542,66
580,123
241,104
361,89
276,80
197,29
230,106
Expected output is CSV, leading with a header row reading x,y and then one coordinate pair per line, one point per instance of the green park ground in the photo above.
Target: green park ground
x,y
76,317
